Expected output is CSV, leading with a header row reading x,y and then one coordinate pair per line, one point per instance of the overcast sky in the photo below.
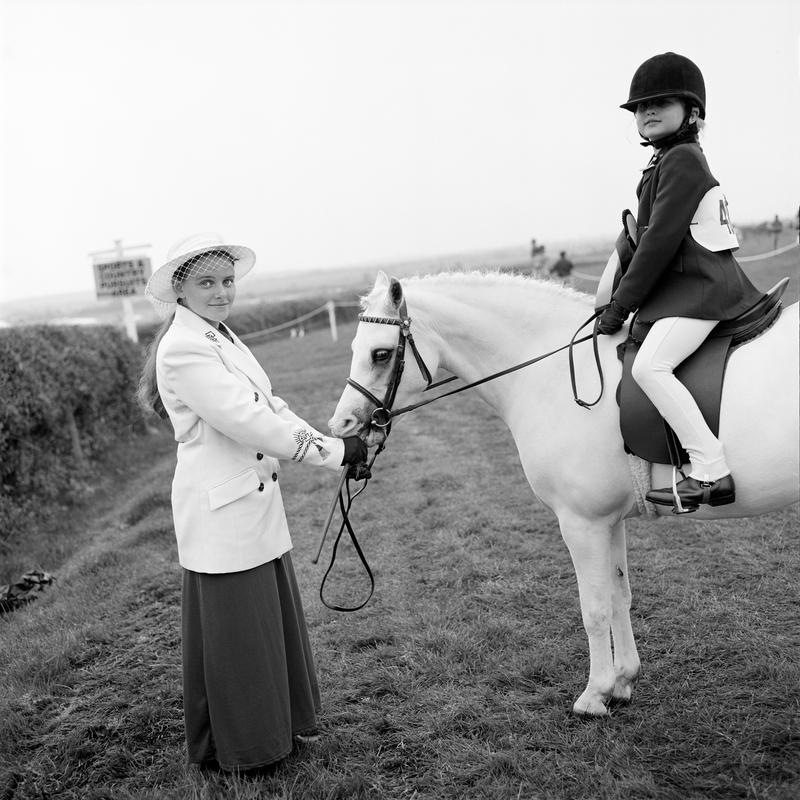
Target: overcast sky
x,y
333,133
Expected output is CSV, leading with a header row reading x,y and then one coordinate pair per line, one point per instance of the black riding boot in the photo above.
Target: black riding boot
x,y
693,493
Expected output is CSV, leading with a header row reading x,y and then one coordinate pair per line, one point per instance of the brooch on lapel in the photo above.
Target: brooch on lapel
x,y
211,335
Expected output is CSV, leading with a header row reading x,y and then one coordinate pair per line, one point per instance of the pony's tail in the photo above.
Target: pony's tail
x,y
147,395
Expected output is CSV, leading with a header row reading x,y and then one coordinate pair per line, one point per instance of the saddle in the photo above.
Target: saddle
x,y
644,431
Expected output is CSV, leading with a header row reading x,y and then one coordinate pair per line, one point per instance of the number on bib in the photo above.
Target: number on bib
x,y
724,214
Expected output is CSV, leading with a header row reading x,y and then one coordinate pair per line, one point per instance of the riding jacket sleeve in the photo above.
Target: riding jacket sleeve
x,y
668,199
281,408
195,380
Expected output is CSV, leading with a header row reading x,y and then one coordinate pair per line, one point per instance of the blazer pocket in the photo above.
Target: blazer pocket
x,y
691,256
233,489
685,258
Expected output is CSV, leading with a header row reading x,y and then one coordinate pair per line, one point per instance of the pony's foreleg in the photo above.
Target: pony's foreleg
x,y
589,543
626,657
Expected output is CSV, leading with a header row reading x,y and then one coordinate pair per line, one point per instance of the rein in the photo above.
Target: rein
x,y
344,482
383,415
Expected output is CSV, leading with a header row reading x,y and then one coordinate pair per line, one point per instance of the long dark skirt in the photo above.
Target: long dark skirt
x,y
249,682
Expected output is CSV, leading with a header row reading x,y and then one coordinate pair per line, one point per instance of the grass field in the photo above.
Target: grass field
x,y
457,679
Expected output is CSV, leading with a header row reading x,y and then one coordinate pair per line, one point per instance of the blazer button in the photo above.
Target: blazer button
x,y
274,476
260,487
259,456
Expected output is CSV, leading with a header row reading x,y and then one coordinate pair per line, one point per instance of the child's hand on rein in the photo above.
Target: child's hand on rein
x,y
610,321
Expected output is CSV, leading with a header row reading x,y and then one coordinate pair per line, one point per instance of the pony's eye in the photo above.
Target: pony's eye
x,y
381,356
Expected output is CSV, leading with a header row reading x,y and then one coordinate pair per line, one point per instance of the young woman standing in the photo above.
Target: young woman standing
x,y
249,681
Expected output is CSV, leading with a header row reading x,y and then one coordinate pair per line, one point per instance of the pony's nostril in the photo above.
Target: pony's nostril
x,y
341,426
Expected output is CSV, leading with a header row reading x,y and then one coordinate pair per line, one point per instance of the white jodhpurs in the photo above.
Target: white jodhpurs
x,y
672,340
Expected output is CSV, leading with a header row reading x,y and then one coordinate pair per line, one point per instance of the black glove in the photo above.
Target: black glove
x,y
355,450
610,321
359,472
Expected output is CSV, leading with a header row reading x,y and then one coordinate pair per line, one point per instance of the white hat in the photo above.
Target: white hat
x,y
160,289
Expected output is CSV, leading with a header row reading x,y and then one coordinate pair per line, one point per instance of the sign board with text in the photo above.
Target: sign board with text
x,y
122,277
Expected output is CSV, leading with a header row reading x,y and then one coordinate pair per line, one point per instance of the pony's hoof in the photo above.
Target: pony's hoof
x,y
622,692
589,707
624,683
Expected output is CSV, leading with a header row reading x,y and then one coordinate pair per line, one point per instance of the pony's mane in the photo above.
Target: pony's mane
x,y
488,279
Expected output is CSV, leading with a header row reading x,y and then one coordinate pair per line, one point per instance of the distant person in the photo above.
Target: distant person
x,y
682,276
537,255
775,227
562,268
249,681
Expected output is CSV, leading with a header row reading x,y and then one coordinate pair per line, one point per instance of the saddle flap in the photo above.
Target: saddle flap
x,y
641,424
702,373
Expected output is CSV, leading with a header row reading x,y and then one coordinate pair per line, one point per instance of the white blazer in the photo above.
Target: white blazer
x,y
231,430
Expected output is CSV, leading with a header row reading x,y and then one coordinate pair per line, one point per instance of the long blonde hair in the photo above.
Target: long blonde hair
x,y
147,393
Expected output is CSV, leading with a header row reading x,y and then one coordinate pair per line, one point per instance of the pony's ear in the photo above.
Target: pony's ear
x,y
395,293
381,281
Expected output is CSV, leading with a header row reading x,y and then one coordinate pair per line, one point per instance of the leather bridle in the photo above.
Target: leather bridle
x,y
382,414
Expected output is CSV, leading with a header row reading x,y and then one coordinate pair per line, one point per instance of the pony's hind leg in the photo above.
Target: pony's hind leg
x,y
626,657
589,543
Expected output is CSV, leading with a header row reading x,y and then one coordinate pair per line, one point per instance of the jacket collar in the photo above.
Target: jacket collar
x,y
667,144
236,351
686,133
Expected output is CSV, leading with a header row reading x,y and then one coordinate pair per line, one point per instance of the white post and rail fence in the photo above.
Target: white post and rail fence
x,y
329,308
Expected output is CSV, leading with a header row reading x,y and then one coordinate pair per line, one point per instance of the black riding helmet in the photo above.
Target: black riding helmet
x,y
667,75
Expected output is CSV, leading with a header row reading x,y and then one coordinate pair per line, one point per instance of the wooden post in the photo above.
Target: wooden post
x,y
332,320
128,317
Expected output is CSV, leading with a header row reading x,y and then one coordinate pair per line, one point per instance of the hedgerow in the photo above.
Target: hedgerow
x,y
65,393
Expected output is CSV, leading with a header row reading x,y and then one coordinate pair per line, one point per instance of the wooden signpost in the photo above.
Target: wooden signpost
x,y
119,275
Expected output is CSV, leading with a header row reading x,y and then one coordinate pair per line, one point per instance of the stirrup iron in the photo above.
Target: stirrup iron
x,y
679,508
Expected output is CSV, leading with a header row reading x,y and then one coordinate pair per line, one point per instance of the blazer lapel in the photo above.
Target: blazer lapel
x,y
235,353
240,355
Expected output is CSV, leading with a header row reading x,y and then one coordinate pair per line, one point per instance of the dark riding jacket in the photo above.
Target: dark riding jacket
x,y
670,273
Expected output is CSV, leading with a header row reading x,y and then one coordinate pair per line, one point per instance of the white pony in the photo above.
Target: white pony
x,y
475,324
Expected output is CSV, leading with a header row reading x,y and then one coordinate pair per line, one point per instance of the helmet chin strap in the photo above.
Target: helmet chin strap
x,y
686,133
